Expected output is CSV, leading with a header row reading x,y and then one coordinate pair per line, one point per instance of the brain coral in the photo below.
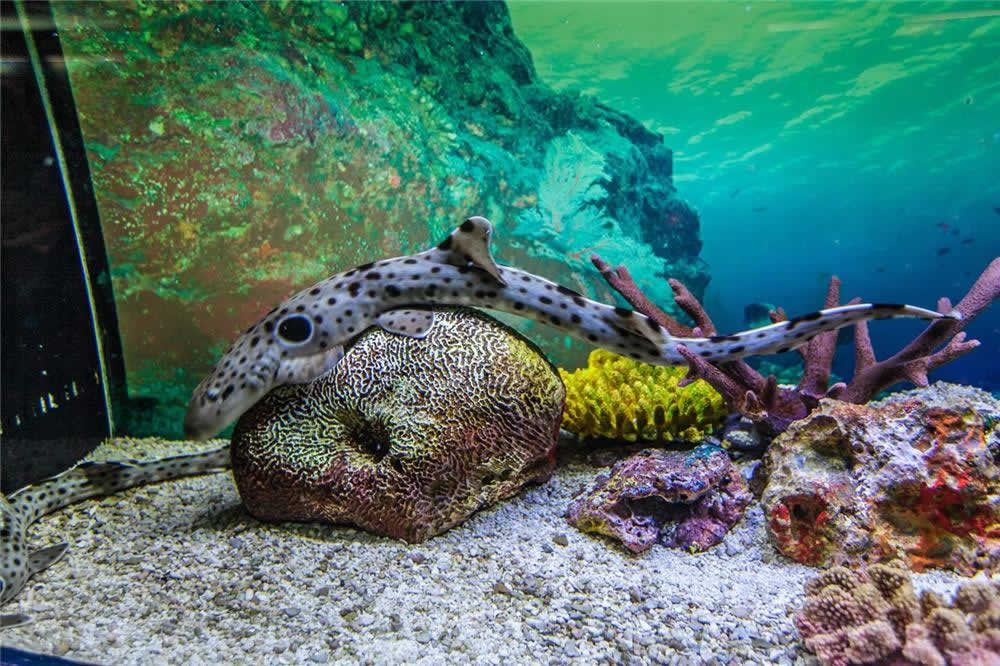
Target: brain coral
x,y
620,398
405,437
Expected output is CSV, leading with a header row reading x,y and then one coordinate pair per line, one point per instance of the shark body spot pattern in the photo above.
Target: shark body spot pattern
x,y
303,338
86,480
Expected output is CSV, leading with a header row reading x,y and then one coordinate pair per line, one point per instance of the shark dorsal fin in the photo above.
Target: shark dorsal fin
x,y
468,244
411,323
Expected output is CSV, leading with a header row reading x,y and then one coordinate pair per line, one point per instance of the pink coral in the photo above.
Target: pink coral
x,y
875,617
845,620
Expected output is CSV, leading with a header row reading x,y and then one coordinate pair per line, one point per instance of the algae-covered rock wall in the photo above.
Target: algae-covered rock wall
x,y
242,150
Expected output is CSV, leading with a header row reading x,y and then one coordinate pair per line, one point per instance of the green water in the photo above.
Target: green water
x,y
813,138
241,151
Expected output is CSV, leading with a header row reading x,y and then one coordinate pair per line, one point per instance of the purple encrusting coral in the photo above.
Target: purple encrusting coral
x,y
683,499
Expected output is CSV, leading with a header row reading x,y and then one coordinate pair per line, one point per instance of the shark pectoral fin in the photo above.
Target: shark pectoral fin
x,y
14,620
305,369
43,558
333,358
411,323
469,244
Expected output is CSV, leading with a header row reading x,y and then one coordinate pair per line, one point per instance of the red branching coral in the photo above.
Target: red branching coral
x,y
875,617
762,400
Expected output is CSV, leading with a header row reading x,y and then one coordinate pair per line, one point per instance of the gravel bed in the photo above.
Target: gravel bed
x,y
178,573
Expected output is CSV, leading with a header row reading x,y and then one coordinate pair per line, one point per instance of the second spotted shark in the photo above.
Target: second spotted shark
x,y
90,479
303,337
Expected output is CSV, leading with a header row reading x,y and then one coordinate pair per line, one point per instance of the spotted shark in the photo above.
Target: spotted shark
x,y
86,480
303,337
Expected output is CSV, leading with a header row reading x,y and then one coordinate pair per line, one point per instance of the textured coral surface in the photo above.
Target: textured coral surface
x,y
914,477
405,437
875,617
618,397
682,499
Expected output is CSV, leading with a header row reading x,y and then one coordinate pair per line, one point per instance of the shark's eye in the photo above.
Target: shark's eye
x,y
295,329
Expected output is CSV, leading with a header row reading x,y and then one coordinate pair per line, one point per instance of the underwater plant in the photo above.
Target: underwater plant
x,y
620,398
773,407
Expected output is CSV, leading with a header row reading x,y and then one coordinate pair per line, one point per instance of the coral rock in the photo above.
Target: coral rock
x,y
617,397
846,616
685,499
914,477
404,437
874,617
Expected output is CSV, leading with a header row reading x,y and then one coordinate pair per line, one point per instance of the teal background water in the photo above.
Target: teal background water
x,y
860,140
242,151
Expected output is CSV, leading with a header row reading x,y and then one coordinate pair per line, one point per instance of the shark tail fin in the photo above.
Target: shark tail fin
x,y
784,336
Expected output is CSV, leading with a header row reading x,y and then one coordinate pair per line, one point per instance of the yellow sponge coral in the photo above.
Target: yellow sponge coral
x,y
620,398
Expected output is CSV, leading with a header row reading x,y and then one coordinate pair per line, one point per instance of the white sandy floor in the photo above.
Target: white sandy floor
x,y
178,573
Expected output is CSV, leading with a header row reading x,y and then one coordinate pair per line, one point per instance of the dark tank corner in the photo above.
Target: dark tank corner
x,y
61,355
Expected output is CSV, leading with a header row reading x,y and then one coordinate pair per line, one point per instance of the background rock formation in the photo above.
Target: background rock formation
x,y
241,151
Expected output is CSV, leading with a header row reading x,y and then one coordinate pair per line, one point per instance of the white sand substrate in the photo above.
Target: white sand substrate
x,y
179,573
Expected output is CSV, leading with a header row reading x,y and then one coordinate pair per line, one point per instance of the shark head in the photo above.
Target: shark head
x,y
243,376
303,337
